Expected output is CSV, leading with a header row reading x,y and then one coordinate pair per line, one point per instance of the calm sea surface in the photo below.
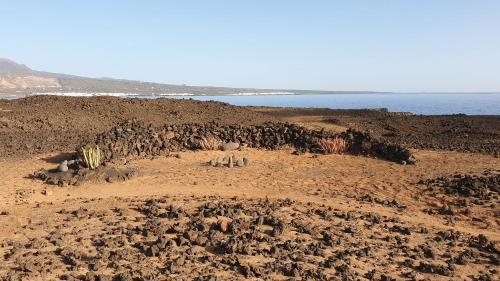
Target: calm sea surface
x,y
418,103
428,104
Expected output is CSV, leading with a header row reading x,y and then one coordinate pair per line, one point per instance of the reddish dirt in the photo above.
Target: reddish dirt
x,y
44,124
307,217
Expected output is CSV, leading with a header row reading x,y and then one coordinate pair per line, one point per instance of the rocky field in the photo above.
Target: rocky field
x,y
163,209
210,238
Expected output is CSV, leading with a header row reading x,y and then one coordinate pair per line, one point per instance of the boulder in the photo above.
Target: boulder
x,y
230,146
63,167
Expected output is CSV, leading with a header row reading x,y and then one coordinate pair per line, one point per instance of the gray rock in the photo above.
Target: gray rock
x,y
219,160
230,146
230,164
240,163
246,161
63,167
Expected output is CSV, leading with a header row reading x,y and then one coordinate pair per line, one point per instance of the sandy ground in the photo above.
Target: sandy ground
x,y
326,179
338,181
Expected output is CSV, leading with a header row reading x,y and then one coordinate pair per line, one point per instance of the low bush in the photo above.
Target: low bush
x,y
332,146
210,143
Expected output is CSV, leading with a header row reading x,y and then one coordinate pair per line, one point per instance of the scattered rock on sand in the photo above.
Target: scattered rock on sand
x,y
47,192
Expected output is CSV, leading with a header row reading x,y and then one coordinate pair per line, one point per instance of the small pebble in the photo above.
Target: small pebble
x,y
246,161
47,192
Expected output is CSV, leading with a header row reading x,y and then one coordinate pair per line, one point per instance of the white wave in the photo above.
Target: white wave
x,y
152,95
263,94
82,94
176,94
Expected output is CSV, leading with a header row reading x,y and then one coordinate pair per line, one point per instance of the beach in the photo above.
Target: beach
x,y
419,199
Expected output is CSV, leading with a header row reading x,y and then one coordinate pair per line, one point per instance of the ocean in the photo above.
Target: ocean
x,y
417,103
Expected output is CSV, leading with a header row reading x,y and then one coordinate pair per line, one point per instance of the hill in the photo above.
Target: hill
x,y
10,67
20,79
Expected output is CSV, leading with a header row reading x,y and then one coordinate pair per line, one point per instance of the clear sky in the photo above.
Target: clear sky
x,y
405,45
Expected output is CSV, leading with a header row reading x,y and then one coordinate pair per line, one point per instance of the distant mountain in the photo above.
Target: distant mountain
x,y
10,67
21,80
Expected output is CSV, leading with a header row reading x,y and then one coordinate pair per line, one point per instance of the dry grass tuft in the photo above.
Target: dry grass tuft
x,y
332,146
210,143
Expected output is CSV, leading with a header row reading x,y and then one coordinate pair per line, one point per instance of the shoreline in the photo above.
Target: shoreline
x,y
419,104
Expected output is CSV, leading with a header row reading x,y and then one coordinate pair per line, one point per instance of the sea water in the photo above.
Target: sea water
x,y
417,103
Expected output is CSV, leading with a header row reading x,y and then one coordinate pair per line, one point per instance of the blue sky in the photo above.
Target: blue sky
x,y
420,45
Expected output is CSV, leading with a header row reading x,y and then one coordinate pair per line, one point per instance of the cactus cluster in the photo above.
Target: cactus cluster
x,y
92,157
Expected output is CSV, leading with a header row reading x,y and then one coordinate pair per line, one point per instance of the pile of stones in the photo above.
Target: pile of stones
x,y
74,172
484,187
134,139
229,161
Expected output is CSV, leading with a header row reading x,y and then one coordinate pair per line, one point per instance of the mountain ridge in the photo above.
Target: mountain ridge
x,y
19,79
8,66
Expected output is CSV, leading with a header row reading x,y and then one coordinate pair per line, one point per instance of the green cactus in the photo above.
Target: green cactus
x,y
92,157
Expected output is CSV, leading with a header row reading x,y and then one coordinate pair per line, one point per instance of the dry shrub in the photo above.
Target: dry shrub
x,y
332,146
210,143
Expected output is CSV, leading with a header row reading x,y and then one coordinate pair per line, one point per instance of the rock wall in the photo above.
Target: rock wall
x,y
134,139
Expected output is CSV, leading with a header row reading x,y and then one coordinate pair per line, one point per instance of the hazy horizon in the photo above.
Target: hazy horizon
x,y
394,46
